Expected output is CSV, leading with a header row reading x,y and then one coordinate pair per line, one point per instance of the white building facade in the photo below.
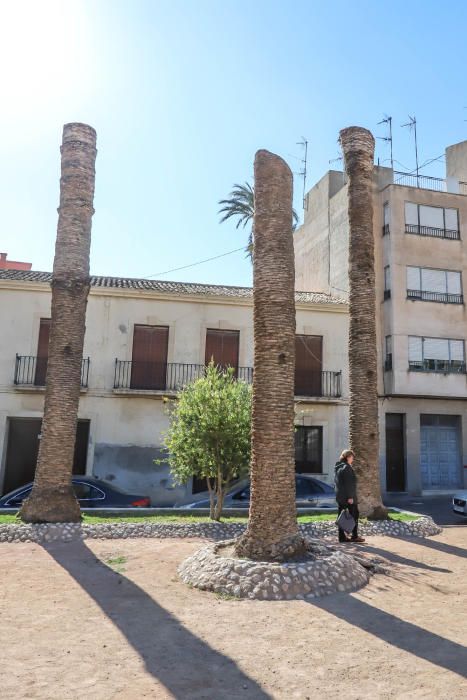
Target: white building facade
x,y
144,340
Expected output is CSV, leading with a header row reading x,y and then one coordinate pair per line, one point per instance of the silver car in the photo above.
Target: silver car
x,y
459,502
310,493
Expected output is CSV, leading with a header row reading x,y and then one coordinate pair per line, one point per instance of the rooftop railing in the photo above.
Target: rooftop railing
x,y
426,182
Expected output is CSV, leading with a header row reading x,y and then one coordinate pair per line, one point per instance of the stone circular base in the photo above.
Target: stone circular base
x,y
54,532
325,570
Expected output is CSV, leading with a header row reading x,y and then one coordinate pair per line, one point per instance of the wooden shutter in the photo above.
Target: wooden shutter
x,y
149,359
42,352
222,346
308,365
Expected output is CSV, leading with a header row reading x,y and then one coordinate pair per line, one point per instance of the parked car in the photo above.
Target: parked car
x,y
310,493
459,502
90,492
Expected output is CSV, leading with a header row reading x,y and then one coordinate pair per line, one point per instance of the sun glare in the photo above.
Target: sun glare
x,y
45,56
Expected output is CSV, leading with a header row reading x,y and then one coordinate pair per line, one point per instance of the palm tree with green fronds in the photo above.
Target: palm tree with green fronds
x,y
240,204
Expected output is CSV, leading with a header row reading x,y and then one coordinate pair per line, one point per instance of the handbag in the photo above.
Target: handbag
x,y
345,521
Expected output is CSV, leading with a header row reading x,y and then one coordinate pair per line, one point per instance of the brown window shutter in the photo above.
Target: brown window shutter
x,y
308,365
42,352
222,346
149,359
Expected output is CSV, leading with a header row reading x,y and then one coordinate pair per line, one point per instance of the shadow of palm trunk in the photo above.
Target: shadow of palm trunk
x,y
156,635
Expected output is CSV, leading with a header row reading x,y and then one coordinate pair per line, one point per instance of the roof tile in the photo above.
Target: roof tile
x,y
167,287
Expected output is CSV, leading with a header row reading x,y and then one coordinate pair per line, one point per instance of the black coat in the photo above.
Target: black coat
x,y
346,482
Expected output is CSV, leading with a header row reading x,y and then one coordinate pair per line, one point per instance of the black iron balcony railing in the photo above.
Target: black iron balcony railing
x,y
388,363
442,366
173,376
31,371
163,376
440,297
452,234
386,229
387,294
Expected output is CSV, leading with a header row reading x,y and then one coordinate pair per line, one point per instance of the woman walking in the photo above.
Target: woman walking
x,y
346,493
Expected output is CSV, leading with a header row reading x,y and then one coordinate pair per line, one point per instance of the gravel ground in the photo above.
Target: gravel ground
x,y
107,620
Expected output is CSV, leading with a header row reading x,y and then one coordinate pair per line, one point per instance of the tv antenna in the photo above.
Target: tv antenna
x,y
412,125
303,172
388,139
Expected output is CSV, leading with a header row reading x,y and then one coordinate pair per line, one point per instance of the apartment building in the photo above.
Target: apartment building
x,y
420,232
144,341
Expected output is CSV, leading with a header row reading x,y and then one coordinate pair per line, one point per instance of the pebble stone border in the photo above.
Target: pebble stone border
x,y
422,527
328,570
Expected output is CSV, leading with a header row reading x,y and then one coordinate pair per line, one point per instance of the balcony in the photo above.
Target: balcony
x,y
386,230
173,376
439,297
439,366
31,371
451,234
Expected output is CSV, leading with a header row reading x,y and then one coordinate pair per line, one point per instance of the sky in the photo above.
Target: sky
x,y
182,94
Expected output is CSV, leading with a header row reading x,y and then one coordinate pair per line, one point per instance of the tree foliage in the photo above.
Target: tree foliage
x,y
210,431
240,205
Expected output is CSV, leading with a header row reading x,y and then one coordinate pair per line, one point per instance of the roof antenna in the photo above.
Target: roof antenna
x,y
303,172
412,124
388,139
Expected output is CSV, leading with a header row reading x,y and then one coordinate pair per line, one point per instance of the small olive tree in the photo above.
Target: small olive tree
x,y
210,433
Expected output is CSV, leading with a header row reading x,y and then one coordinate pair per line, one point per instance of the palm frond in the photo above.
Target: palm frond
x,y
240,204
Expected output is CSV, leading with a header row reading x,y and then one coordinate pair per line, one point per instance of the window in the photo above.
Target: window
x,y
434,285
243,495
431,221
386,212
388,353
436,354
42,352
86,492
222,346
308,449
308,365
387,282
149,359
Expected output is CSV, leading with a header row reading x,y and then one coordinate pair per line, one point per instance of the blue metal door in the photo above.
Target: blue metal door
x,y
440,457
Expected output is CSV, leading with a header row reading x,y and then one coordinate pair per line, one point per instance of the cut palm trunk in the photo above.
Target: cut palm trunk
x,y
358,147
52,498
272,532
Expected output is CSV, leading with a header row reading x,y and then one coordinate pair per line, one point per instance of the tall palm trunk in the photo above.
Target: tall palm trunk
x,y
52,498
272,532
358,146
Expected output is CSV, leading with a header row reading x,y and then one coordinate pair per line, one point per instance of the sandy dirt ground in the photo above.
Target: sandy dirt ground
x,y
109,619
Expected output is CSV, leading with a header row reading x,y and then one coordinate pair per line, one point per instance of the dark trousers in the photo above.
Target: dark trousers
x,y
353,510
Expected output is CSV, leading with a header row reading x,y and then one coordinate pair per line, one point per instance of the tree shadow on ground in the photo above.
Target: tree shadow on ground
x,y
396,632
180,661
405,561
437,545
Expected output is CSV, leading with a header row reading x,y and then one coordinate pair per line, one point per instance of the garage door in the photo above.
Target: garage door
x,y
23,446
440,455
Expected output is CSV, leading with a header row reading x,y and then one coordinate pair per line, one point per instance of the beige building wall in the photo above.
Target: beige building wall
x,y
126,426
322,263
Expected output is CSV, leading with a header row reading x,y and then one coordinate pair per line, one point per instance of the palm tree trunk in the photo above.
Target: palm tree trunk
x,y
52,498
272,532
358,146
